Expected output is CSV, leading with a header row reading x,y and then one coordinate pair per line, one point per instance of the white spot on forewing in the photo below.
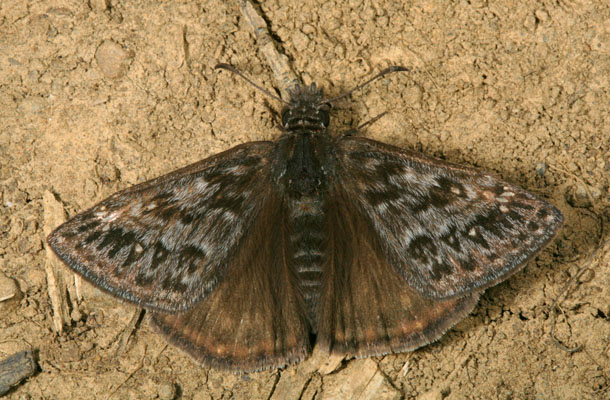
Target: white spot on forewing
x,y
472,232
455,190
200,185
106,217
229,216
487,196
504,209
138,248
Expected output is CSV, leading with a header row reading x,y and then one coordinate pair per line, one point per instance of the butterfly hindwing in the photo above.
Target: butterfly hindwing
x,y
366,308
254,319
447,229
164,244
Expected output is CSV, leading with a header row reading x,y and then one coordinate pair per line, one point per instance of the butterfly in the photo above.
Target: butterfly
x,y
248,258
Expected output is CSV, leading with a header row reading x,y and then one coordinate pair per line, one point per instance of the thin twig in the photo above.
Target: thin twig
x,y
129,329
569,285
285,77
132,373
579,273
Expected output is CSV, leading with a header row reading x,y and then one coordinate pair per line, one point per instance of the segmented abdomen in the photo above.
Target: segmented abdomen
x,y
308,241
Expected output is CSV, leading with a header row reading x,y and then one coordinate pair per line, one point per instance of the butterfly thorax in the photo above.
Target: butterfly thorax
x,y
304,149
306,111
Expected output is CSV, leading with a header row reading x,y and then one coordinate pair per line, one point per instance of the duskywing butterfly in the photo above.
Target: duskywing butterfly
x,y
249,257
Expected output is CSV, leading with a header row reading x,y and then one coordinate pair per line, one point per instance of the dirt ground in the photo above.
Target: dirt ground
x,y
99,95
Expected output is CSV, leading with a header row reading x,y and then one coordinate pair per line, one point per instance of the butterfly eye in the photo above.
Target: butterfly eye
x,y
286,116
324,113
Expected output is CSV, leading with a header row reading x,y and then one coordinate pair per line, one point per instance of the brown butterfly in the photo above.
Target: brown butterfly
x,y
249,257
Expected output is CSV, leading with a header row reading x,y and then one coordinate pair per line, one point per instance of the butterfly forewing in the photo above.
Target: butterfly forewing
x,y
164,244
446,229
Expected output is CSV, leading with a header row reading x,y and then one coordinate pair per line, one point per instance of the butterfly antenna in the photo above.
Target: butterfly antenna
x,y
355,130
370,121
389,70
231,68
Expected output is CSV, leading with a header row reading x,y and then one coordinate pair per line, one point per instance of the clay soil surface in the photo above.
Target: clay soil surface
x,y
98,95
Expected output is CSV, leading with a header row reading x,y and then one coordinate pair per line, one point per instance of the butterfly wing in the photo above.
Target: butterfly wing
x,y
446,229
254,319
164,244
366,308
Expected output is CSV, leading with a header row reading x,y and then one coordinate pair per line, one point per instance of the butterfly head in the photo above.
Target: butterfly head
x,y
306,109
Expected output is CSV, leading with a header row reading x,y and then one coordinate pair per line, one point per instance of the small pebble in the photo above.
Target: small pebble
x,y
580,197
300,41
8,288
541,168
112,59
167,391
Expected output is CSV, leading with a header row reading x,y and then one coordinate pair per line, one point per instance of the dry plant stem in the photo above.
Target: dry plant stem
x,y
132,373
579,273
407,365
285,77
78,288
56,274
563,293
129,330
15,369
446,384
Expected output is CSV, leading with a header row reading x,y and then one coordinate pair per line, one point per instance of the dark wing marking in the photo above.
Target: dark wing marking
x,y
447,229
164,244
254,319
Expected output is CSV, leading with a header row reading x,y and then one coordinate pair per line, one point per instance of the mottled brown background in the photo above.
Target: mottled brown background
x,y
517,87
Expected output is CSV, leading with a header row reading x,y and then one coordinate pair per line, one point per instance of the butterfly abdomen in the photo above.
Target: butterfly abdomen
x,y
308,237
